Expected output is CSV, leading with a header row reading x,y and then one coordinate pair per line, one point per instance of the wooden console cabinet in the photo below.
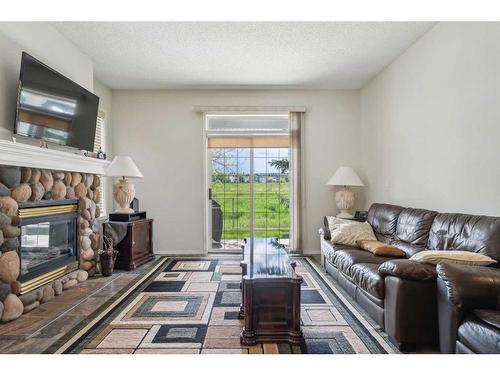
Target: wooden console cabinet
x,y
136,248
271,294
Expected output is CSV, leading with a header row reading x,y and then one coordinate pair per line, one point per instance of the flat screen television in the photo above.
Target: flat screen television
x,y
54,108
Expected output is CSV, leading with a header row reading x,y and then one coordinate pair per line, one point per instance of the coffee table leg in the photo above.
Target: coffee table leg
x,y
248,334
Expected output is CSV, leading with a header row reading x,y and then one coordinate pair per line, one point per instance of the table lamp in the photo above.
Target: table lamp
x,y
123,190
344,198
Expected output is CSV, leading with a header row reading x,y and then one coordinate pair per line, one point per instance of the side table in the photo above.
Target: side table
x,y
133,240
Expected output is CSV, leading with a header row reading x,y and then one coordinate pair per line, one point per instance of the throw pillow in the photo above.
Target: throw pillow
x,y
332,221
380,248
350,232
453,256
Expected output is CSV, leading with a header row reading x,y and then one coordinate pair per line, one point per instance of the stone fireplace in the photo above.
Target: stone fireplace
x,y
49,224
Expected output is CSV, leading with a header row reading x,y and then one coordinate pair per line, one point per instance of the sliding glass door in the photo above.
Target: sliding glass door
x,y
249,184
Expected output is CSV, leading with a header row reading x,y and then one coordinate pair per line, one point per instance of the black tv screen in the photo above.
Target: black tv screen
x,y
54,108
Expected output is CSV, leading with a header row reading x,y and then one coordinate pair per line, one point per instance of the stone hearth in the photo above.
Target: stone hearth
x,y
25,184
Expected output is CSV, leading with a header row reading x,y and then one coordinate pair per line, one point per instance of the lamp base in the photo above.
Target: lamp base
x,y
123,194
123,211
344,198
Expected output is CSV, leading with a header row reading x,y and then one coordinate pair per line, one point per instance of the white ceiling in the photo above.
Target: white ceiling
x,y
183,55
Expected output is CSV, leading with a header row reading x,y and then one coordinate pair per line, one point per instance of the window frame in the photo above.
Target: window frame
x,y
100,143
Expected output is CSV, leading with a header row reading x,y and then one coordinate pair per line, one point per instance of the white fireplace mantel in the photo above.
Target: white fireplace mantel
x,y
23,155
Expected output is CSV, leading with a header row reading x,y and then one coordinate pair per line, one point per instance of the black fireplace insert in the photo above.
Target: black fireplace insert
x,y
48,241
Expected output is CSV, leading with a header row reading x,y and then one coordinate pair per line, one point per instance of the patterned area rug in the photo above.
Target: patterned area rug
x,y
190,305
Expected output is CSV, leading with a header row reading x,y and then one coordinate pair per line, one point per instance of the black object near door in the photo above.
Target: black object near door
x,y
217,224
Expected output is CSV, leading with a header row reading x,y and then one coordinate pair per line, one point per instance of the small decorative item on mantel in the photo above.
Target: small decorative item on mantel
x,y
107,257
101,154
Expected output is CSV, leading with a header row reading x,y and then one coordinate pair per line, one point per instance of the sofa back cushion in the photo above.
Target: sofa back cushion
x,y
480,234
408,248
413,228
383,218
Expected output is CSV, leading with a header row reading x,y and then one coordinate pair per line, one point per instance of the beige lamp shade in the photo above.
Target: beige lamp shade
x,y
123,166
345,176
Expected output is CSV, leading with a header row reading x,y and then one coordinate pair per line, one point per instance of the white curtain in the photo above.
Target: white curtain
x,y
296,124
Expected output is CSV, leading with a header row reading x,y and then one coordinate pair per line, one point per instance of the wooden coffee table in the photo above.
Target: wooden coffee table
x,y
271,294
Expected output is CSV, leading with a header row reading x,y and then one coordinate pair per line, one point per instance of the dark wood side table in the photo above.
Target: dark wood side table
x,y
271,294
136,247
360,219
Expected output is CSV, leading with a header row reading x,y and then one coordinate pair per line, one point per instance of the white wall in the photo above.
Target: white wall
x,y
164,136
46,44
430,123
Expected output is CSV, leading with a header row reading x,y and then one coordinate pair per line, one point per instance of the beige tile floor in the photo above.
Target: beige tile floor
x,y
42,328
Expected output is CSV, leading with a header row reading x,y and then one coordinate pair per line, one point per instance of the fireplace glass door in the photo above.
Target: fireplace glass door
x,y
47,243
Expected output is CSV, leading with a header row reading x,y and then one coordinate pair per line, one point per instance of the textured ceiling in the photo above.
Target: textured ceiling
x,y
173,55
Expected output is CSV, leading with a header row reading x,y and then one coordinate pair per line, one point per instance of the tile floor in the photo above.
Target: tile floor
x,y
42,328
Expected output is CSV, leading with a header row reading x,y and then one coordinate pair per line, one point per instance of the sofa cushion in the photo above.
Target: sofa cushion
x,y
344,259
492,317
337,247
329,248
383,218
479,336
480,234
414,225
366,276
408,248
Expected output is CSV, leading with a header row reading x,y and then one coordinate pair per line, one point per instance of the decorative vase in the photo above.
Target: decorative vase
x,y
344,198
124,193
107,259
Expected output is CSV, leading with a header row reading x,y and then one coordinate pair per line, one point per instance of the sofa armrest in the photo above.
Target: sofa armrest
x,y
325,233
408,269
461,289
410,312
471,287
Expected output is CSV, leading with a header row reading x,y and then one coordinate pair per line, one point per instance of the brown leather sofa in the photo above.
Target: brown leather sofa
x,y
400,294
468,309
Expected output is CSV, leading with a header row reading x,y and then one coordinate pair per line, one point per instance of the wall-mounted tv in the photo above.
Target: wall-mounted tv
x,y
54,108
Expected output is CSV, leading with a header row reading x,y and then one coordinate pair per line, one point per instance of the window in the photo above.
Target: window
x,y
99,144
99,133
247,123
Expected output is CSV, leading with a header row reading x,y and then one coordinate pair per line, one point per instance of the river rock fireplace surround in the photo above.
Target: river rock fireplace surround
x,y
49,224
